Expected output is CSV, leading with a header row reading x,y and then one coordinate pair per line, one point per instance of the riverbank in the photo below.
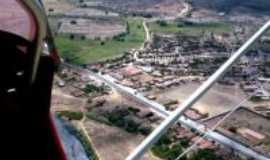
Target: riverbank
x,y
75,144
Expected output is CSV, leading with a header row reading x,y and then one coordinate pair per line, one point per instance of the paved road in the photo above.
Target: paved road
x,y
147,32
161,111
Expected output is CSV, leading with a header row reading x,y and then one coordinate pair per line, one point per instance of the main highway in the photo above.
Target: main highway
x,y
162,112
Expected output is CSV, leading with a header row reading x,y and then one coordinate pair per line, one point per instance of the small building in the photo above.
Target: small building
x,y
245,126
194,114
203,144
130,70
251,135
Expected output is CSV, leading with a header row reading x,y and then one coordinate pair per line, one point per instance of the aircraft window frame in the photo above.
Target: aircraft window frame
x,y
29,31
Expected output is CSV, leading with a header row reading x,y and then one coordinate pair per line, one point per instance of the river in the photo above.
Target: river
x,y
72,146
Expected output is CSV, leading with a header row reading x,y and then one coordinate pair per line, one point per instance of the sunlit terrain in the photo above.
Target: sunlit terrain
x,y
127,65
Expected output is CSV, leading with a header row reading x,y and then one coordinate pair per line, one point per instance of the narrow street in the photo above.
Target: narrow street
x,y
148,37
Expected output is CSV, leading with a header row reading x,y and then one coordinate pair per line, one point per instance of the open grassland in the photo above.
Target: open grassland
x,y
80,52
188,28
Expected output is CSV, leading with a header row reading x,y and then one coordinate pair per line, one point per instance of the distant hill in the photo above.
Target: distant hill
x,y
135,3
262,6
155,7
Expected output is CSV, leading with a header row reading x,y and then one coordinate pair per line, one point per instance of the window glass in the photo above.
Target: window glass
x,y
15,19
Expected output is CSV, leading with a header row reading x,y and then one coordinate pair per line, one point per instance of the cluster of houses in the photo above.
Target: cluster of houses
x,y
74,82
179,60
185,55
182,59
189,56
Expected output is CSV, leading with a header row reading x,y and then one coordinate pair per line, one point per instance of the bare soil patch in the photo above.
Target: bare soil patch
x,y
112,143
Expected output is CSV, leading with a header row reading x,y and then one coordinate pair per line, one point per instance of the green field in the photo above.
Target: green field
x,y
88,51
175,27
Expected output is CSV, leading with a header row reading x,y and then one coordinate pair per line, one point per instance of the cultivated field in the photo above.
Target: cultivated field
x,y
91,12
175,27
156,7
88,51
58,7
91,29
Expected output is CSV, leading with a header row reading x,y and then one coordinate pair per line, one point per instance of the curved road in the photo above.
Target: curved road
x,y
148,37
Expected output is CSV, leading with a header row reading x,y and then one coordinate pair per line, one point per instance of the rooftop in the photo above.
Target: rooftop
x,y
247,127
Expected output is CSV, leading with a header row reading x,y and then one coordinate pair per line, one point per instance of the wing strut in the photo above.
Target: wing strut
x,y
167,123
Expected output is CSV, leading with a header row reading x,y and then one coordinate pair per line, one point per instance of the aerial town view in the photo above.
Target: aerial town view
x,y
127,65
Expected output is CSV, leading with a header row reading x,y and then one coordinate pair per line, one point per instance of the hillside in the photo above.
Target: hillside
x,y
139,3
167,7
258,6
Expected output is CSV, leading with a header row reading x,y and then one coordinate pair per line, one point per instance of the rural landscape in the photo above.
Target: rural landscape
x,y
127,65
